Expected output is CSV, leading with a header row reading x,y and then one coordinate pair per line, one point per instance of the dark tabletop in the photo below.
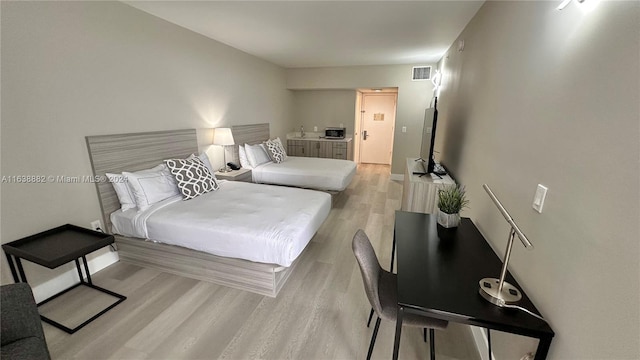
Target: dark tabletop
x,y
439,272
58,246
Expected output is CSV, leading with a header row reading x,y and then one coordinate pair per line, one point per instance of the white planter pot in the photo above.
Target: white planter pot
x,y
448,220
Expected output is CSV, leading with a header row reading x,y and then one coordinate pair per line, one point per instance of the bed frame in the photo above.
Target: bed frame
x,y
138,151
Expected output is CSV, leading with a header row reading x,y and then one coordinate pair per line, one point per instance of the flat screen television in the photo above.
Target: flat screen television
x,y
429,139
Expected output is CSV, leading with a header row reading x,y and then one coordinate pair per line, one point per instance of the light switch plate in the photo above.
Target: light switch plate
x,y
538,198
404,129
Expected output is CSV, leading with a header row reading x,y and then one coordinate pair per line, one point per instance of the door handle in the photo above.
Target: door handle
x,y
364,135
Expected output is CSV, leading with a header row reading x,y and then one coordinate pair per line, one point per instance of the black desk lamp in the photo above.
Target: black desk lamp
x,y
498,291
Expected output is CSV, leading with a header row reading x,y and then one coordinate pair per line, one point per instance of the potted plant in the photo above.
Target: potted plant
x,y
451,200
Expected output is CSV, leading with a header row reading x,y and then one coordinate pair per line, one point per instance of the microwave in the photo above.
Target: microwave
x,y
334,133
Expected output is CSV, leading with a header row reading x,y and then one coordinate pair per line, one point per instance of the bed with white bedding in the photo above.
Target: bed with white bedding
x,y
305,172
236,221
243,235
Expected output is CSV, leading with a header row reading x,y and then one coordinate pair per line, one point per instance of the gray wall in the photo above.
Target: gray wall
x,y
413,98
71,69
324,108
546,96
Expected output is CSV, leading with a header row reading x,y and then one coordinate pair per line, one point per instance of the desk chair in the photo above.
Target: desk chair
x,y
381,288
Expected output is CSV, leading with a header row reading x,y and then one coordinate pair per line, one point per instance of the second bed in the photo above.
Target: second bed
x,y
305,172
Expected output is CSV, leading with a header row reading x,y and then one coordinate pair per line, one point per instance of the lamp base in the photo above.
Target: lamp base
x,y
489,291
224,169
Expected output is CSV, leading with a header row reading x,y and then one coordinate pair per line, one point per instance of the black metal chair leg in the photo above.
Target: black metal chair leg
x,y
370,317
432,343
373,339
424,334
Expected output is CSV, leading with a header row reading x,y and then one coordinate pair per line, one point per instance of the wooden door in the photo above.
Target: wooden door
x,y
378,123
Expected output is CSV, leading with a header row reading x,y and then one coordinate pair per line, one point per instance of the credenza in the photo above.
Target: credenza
x,y
420,192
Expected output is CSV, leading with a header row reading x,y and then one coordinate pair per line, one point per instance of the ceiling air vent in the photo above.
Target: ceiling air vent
x,y
421,73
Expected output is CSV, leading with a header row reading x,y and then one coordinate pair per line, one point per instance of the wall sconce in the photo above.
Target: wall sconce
x,y
436,80
565,3
223,137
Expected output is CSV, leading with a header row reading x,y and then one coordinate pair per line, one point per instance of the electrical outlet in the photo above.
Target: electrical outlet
x,y
96,225
315,129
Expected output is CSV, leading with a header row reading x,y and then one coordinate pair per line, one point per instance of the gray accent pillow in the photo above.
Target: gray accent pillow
x,y
276,150
192,176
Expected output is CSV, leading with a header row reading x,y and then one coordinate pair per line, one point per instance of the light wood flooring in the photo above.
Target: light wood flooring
x,y
321,312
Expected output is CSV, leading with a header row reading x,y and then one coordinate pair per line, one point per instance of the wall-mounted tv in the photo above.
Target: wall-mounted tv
x,y
428,140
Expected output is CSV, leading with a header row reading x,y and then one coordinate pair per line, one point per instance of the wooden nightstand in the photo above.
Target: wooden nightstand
x,y
235,175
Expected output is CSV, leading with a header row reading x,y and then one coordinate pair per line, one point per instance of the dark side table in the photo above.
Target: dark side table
x,y
56,247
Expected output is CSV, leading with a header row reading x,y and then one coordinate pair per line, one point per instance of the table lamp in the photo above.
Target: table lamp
x,y
223,137
498,291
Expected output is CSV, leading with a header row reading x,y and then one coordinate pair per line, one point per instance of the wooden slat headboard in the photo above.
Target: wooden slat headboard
x,y
248,134
133,152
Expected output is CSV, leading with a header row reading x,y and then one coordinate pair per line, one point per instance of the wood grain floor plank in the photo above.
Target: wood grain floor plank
x,y
165,324
320,313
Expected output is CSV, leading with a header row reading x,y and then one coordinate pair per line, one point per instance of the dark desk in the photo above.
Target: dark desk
x,y
438,275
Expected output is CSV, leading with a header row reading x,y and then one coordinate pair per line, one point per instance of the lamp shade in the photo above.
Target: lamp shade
x,y
223,136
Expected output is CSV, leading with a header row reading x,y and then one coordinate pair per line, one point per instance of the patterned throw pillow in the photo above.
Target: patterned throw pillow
x,y
276,150
193,177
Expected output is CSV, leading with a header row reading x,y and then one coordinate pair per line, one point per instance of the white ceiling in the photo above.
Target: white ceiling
x,y
325,33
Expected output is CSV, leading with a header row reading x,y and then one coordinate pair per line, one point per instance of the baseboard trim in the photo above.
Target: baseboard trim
x,y
70,278
397,177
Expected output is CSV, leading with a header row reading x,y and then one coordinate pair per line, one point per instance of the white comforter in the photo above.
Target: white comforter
x,y
306,172
267,224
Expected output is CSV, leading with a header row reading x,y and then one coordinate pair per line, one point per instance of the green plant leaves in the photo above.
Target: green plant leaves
x,y
452,199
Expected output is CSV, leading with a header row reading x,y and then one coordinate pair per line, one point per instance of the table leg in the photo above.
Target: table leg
x,y
543,348
396,343
86,269
393,253
13,268
79,271
21,270
432,343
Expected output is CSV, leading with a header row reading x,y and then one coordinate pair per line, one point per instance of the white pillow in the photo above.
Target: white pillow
x,y
256,154
123,191
151,185
205,159
244,162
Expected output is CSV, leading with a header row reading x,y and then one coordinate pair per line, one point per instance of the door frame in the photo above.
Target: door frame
x,y
359,119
